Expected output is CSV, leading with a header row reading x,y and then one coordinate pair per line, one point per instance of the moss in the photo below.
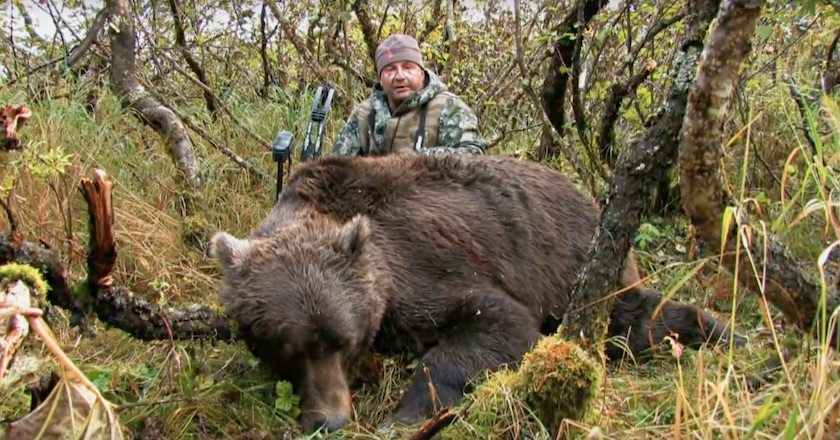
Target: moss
x,y
195,230
494,410
12,272
556,380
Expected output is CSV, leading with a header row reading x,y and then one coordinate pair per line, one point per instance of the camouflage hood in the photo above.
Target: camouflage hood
x,y
379,101
452,122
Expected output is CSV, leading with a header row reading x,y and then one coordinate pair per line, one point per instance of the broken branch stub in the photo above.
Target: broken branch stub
x,y
118,306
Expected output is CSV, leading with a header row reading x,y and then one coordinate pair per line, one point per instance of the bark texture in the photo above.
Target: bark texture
x,y
630,187
368,30
50,267
135,97
787,285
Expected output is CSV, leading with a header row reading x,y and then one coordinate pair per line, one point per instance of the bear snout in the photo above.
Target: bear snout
x,y
325,396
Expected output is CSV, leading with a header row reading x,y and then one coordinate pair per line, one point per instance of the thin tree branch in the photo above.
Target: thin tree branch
x,y
431,23
10,215
210,98
831,77
264,143
802,105
612,106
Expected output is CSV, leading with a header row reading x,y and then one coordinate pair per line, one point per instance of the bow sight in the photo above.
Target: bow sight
x,y
282,148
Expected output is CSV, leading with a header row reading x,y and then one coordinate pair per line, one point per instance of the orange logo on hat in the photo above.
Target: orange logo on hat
x,y
390,54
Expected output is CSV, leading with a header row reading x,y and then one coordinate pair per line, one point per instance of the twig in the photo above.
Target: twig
x,y
265,144
93,32
254,171
431,23
432,426
802,106
13,224
577,105
210,98
652,32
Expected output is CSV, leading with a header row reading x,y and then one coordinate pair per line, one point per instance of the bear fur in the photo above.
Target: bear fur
x,y
463,260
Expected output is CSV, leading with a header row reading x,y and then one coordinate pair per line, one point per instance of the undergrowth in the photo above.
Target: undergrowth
x,y
197,390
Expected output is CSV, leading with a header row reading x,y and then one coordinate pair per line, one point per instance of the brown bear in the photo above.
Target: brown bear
x,y
464,261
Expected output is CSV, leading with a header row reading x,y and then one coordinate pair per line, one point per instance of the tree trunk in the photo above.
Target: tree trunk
x,y
368,30
557,76
787,285
134,96
628,193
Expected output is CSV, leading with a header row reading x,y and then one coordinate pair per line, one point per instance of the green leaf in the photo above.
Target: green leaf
x,y
790,427
764,414
763,31
285,400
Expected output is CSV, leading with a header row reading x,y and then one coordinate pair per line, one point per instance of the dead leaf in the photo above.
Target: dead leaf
x,y
13,118
72,411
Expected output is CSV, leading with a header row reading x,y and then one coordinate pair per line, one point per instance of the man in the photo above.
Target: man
x,y
409,110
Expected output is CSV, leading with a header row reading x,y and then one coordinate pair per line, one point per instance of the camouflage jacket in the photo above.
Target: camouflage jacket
x,y
450,126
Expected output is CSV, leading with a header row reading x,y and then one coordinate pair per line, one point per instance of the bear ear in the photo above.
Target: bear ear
x,y
353,234
229,250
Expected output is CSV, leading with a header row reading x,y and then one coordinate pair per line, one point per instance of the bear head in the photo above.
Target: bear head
x,y
306,301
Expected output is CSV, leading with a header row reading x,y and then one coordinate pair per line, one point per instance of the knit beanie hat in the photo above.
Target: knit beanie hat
x,y
397,47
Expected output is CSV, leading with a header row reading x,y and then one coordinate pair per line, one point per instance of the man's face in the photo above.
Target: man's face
x,y
400,79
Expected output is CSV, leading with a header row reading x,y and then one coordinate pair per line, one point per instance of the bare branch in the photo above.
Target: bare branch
x,y
91,36
134,96
181,40
831,77
606,136
291,33
431,23
651,33
254,171
801,104
218,102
